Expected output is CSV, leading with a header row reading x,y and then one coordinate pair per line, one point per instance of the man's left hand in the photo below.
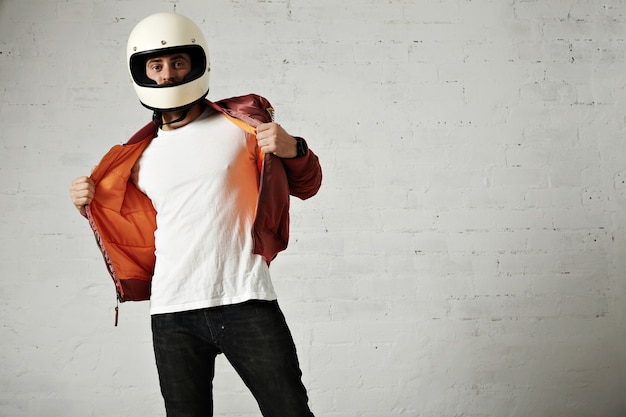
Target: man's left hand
x,y
272,138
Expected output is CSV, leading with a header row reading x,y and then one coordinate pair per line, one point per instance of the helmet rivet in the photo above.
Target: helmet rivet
x,y
163,42
193,40
134,49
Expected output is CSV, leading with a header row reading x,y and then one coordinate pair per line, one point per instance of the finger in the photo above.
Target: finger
x,y
81,188
264,126
81,200
80,194
266,134
81,182
268,128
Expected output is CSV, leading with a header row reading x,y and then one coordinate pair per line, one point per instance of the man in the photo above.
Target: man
x,y
216,179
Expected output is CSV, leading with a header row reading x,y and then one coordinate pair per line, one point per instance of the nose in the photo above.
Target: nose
x,y
167,76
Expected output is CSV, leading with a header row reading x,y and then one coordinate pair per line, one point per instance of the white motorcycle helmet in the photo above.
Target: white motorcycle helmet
x,y
165,34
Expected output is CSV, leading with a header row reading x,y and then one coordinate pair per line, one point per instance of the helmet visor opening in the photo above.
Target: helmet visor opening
x,y
138,62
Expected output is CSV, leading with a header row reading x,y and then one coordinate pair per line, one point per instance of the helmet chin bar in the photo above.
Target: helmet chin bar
x,y
175,109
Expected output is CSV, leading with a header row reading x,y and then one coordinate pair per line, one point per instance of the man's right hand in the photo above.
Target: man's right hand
x,y
82,191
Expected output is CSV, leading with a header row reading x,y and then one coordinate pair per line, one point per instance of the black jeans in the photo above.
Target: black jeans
x,y
255,339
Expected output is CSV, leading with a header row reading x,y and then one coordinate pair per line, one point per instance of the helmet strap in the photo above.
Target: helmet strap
x,y
157,118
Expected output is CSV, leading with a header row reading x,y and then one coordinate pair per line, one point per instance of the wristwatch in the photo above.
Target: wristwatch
x,y
301,147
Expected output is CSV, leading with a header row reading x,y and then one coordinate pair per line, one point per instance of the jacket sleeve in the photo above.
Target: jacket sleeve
x,y
304,175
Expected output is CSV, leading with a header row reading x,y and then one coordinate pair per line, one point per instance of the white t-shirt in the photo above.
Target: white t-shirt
x,y
203,180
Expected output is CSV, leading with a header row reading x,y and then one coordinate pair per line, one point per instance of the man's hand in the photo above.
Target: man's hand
x,y
272,138
82,191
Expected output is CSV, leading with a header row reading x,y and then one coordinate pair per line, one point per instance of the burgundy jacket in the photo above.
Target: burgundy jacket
x,y
124,220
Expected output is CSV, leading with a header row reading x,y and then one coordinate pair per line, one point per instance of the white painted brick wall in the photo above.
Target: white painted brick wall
x,y
465,256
